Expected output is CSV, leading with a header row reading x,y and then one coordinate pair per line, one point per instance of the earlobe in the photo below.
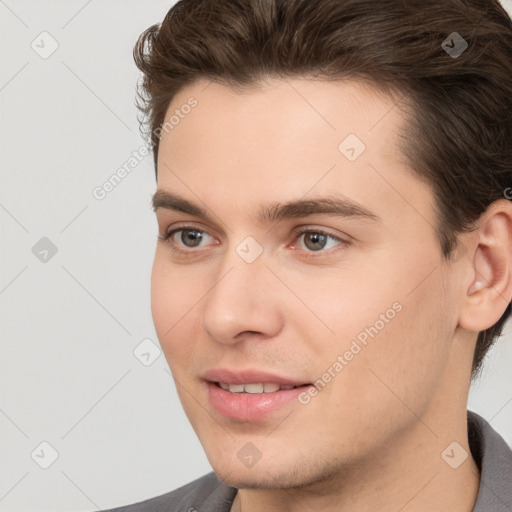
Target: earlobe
x,y
490,290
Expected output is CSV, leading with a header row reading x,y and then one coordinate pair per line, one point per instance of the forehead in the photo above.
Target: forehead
x,y
332,107
281,117
286,138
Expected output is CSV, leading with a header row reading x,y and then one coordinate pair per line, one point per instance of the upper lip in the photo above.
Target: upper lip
x,y
249,377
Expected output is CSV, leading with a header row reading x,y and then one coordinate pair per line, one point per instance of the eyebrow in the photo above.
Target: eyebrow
x,y
335,206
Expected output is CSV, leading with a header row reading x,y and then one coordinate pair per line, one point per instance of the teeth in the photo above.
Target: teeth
x,y
254,388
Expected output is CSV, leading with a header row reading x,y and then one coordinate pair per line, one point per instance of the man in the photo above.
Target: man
x,y
335,248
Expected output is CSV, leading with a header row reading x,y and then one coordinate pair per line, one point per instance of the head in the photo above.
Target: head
x,y
265,117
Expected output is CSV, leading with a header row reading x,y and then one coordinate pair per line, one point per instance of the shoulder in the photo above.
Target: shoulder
x,y
494,459
205,494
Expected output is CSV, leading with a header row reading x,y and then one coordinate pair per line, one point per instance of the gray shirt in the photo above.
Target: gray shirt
x,y
491,453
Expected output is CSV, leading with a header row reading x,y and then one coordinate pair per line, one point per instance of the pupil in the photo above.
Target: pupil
x,y
315,238
191,236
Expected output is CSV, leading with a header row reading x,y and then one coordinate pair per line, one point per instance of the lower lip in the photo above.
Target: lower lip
x,y
250,406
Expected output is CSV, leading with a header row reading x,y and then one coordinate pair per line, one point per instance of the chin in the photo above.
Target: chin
x,y
250,480
263,477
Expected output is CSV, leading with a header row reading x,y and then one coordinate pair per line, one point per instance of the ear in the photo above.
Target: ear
x,y
488,287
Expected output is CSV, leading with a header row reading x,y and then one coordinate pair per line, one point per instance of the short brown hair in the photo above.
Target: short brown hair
x,y
459,136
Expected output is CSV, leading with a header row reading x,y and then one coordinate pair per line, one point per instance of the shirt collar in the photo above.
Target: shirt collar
x,y
494,460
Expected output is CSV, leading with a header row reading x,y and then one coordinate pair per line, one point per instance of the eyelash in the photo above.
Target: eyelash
x,y
167,238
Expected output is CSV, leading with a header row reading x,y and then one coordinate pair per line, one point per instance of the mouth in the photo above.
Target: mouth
x,y
251,394
252,380
257,388
253,402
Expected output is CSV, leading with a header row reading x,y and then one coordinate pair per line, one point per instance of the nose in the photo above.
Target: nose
x,y
244,302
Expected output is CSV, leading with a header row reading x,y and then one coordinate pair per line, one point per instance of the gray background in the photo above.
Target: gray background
x,y
70,323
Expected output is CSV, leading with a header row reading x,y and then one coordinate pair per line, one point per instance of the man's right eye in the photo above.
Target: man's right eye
x,y
188,237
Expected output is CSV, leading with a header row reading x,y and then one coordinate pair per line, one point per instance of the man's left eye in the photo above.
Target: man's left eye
x,y
318,240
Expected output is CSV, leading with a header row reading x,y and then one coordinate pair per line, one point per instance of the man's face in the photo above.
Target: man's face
x,y
361,301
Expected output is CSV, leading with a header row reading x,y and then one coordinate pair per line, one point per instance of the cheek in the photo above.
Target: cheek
x,y
173,297
395,334
403,360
